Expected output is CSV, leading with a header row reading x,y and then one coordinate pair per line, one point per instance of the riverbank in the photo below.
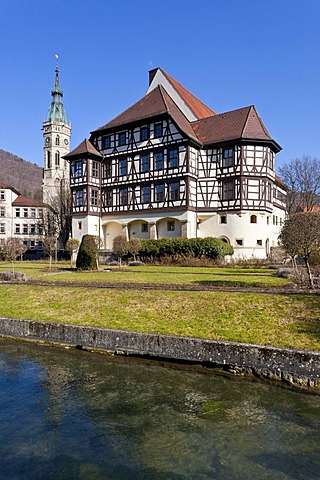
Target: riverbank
x,y
299,368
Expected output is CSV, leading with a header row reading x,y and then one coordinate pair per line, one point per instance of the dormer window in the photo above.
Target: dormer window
x,y
144,133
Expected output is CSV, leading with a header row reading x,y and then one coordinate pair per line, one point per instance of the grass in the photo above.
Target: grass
x,y
282,320
262,277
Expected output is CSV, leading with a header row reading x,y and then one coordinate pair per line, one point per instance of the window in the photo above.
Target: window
x,y
2,212
2,195
158,130
48,160
144,227
17,228
57,159
228,190
145,194
259,243
57,140
253,219
227,156
108,170
25,213
40,213
79,225
170,226
145,163
25,228
174,191
78,169
268,220
32,229
159,193
108,198
223,219
144,133
123,167
239,242
122,138
94,198
106,142
95,169
79,198
158,160
33,213
2,228
17,212
173,158
123,196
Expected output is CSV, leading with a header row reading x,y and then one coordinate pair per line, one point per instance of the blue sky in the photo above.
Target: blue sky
x,y
229,53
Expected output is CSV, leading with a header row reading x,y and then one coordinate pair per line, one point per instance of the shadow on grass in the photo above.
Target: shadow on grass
x,y
234,283
308,321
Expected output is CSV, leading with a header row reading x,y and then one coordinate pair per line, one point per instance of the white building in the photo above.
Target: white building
x,y
21,217
169,166
56,137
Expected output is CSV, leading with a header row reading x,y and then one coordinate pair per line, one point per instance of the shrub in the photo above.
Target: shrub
x,y
87,258
211,248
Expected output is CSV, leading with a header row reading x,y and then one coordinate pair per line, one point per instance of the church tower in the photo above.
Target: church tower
x,y
56,136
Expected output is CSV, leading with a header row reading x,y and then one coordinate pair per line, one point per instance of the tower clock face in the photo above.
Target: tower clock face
x,y
66,141
47,140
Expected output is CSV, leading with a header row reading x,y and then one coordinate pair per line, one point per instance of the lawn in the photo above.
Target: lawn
x,y
255,277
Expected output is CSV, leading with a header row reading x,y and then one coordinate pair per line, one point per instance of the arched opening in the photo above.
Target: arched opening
x,y
57,159
253,218
110,231
138,229
225,240
168,228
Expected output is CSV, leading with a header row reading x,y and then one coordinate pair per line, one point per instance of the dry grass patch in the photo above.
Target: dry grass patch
x,y
279,320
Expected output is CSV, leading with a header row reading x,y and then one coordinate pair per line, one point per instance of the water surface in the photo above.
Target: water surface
x,y
68,414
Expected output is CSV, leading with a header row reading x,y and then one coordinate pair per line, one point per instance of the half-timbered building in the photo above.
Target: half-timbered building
x,y
169,166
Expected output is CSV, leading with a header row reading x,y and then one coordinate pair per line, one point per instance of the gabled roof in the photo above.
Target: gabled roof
x,y
243,123
155,103
23,201
199,109
84,148
4,186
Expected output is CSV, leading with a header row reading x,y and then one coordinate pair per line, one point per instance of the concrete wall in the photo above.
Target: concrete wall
x,y
297,367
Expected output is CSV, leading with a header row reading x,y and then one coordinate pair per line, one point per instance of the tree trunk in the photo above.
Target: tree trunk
x,y
311,285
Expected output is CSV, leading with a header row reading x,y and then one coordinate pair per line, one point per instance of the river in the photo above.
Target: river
x,y
73,415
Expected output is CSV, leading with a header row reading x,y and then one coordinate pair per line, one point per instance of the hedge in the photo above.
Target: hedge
x,y
208,247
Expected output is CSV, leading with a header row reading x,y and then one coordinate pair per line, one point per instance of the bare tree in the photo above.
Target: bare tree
x,y
12,248
50,246
72,246
300,236
120,247
302,177
58,219
134,246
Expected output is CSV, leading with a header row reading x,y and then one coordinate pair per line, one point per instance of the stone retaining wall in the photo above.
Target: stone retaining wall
x,y
297,367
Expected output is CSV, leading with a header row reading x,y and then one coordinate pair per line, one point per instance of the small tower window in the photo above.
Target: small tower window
x,y
57,140
48,160
57,159
223,219
253,219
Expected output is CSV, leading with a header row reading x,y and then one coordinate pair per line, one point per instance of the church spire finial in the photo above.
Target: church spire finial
x,y
56,111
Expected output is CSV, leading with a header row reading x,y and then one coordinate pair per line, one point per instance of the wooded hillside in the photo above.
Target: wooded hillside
x,y
24,176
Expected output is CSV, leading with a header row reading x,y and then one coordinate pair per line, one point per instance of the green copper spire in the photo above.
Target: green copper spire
x,y
56,110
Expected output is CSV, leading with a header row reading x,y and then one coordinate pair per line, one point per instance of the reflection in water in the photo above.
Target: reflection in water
x,y
67,414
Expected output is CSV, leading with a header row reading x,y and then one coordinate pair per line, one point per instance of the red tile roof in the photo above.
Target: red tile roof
x,y
23,201
84,148
199,109
242,123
